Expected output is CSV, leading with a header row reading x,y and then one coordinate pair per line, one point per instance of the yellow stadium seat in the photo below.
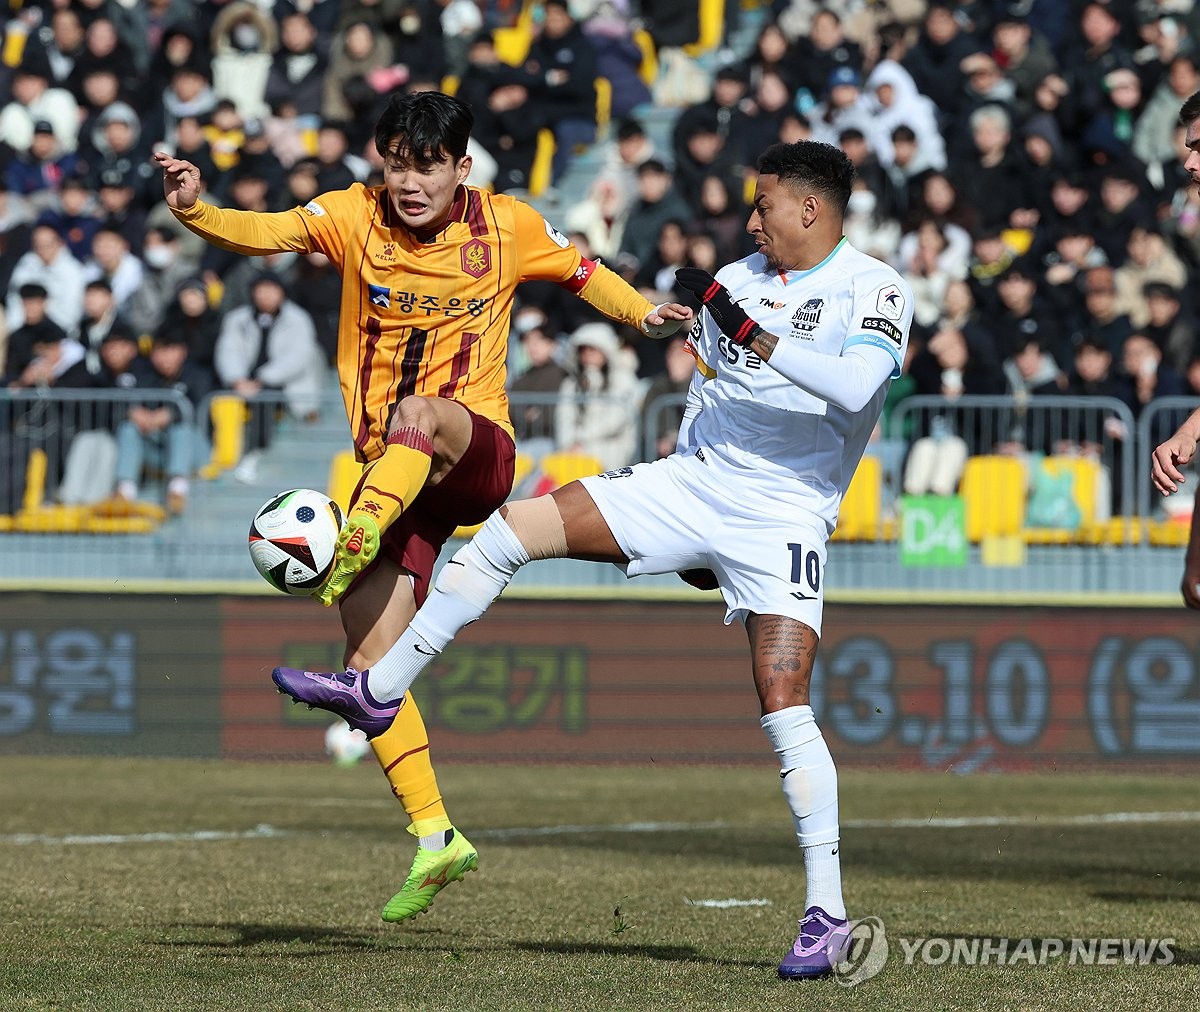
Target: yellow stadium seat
x,y
512,43
1168,533
648,68
1086,477
564,467
543,162
14,42
993,488
712,28
344,472
603,107
54,519
1085,486
35,481
522,468
229,414
859,518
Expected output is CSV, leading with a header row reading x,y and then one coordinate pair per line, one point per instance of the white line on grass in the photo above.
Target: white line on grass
x,y
261,831
264,831
726,904
980,821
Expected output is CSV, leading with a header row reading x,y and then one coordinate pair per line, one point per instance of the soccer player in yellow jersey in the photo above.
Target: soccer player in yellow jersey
x,y
429,270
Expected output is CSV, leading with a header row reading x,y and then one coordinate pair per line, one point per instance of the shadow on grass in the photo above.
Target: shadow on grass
x,y
317,940
1025,854
662,953
308,941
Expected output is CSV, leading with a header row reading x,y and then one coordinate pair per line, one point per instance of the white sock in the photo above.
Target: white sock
x,y
466,586
438,840
809,781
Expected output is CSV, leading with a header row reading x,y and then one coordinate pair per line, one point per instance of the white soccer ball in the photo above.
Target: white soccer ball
x,y
293,538
345,744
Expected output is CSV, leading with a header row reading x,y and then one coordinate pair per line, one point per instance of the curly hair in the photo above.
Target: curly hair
x,y
811,164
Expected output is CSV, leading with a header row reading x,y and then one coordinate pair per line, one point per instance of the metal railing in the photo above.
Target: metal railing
x,y
1101,427
49,422
1104,428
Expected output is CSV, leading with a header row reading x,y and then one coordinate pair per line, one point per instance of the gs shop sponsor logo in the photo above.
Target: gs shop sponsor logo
x,y
885,327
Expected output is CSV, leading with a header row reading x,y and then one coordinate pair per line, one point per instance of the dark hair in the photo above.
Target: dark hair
x,y
812,164
1190,110
428,125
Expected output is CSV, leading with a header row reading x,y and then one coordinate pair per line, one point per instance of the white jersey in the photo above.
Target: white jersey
x,y
779,442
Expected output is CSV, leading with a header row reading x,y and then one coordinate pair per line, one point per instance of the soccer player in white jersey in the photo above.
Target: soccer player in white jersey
x,y
794,356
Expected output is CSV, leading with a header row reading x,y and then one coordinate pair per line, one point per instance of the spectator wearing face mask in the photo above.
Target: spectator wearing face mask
x,y
595,412
868,228
243,38
163,271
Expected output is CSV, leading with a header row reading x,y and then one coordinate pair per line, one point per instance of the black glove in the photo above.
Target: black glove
x,y
726,313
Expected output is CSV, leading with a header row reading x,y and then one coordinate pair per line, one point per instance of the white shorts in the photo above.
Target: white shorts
x,y
676,513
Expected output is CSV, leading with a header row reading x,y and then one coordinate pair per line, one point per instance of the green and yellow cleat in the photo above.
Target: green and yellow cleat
x,y
432,871
357,546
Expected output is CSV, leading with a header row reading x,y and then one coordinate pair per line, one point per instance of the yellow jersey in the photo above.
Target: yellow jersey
x,y
428,317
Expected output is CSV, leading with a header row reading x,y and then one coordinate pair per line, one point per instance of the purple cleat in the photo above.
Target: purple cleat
x,y
822,942
344,693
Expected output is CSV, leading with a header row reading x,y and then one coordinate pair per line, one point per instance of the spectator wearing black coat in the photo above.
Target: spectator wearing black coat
x,y
562,62
297,74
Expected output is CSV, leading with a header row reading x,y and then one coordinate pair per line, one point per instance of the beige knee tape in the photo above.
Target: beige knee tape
x,y
538,525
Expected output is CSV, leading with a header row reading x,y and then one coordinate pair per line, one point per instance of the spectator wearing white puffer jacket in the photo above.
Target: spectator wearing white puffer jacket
x,y
596,412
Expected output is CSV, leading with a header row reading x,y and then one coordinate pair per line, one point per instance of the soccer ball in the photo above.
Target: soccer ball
x,y
293,538
345,744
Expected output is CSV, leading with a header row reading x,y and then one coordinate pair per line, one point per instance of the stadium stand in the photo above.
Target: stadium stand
x,y
1013,159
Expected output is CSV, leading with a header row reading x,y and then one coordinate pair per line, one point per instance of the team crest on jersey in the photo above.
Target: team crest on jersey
x,y
476,258
808,316
890,303
558,238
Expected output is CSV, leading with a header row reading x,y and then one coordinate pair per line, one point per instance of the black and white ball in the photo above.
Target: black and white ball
x,y
293,538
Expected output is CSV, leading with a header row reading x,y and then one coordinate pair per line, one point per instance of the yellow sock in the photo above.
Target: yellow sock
x,y
403,752
395,479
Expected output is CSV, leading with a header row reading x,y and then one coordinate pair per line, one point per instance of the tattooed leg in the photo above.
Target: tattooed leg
x,y
783,652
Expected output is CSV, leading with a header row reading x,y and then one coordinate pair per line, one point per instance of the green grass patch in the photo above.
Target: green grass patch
x,y
151,884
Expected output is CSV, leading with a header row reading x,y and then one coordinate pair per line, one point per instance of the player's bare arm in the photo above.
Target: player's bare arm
x,y
763,344
1176,453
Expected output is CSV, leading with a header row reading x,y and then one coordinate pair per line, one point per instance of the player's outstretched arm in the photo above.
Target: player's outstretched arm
x,y
848,380
251,232
1176,453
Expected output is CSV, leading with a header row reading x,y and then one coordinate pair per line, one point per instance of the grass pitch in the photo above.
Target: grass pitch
x,y
143,884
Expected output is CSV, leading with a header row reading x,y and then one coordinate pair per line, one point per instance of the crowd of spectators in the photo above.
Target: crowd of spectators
x,y
1019,162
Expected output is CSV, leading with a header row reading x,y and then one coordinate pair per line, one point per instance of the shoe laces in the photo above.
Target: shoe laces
x,y
813,929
